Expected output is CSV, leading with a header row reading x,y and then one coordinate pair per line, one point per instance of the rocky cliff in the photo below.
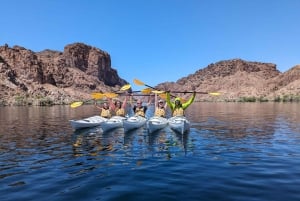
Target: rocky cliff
x,y
237,79
54,77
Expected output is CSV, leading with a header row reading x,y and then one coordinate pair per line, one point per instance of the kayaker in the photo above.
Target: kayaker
x,y
140,109
119,108
104,110
177,107
160,109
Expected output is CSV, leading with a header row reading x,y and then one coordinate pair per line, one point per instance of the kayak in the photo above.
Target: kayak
x,y
133,122
179,124
87,122
156,123
113,122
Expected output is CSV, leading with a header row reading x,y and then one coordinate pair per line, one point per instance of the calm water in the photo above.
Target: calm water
x,y
234,151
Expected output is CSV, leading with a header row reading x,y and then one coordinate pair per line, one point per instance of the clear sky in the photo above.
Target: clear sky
x,y
159,40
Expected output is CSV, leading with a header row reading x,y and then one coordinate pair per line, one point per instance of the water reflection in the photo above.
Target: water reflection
x,y
231,143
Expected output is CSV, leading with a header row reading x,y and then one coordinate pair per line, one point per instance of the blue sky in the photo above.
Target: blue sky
x,y
159,40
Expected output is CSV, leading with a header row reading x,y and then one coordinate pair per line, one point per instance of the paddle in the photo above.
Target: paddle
x,y
185,92
140,83
76,104
96,95
125,87
111,94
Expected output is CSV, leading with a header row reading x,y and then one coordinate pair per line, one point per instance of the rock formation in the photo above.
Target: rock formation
x,y
54,77
237,79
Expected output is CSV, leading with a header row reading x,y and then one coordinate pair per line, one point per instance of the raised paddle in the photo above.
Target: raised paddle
x,y
76,104
140,83
125,87
110,94
186,92
96,95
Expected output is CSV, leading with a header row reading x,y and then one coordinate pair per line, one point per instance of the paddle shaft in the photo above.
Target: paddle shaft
x,y
186,92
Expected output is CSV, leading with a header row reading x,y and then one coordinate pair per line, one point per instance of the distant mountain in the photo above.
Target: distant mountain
x,y
237,79
53,76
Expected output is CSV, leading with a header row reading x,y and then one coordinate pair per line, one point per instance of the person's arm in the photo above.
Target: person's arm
x,y
168,101
124,103
189,102
100,108
150,100
111,104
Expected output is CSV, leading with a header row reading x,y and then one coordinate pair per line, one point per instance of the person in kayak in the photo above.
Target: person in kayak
x,y
177,107
105,110
119,108
160,109
139,109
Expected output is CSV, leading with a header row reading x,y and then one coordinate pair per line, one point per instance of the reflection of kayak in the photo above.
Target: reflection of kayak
x,y
179,124
156,123
133,122
87,122
113,122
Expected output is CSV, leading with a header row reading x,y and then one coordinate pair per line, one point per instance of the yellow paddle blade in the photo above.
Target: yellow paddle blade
x,y
110,95
163,95
158,92
97,95
146,91
214,93
183,100
76,104
138,82
125,87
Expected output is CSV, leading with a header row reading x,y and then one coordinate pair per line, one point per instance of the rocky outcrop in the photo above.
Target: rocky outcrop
x,y
53,77
236,79
57,77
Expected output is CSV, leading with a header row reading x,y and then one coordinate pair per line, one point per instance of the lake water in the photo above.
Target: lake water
x,y
234,151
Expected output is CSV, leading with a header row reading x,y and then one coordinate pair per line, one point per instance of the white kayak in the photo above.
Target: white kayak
x,y
179,124
133,122
87,122
156,123
113,122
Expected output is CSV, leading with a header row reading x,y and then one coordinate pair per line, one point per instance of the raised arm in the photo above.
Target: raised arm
x,y
111,104
190,101
168,101
95,104
124,102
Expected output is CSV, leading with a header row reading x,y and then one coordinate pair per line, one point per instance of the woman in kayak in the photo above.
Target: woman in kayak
x,y
105,110
160,109
119,108
177,107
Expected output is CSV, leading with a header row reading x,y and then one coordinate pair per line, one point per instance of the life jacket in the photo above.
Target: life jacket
x,y
178,112
105,113
120,112
160,112
140,111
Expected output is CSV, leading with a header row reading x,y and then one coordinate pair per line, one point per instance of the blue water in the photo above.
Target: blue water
x,y
234,151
